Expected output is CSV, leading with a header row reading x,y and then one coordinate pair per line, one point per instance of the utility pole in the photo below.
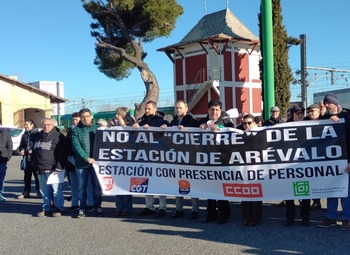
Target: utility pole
x,y
303,73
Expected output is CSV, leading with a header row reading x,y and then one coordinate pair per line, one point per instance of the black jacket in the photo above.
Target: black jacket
x,y
346,115
271,122
24,141
155,120
187,121
49,151
6,145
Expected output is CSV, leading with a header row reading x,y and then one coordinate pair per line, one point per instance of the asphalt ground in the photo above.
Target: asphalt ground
x,y
22,232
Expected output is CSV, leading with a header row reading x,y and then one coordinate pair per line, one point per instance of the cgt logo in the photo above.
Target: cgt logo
x,y
138,185
108,183
242,190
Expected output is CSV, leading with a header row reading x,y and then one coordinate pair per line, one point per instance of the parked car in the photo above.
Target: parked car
x,y
16,135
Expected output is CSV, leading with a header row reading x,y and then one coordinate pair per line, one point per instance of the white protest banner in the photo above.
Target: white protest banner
x,y
296,160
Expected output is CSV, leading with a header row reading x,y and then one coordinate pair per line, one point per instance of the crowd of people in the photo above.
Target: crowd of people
x,y
51,156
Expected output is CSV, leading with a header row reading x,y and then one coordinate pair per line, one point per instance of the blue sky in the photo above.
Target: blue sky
x,y
50,40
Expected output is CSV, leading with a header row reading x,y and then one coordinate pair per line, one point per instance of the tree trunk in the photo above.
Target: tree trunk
x,y
152,91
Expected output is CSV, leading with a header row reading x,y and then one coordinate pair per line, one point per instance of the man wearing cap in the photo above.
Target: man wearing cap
x,y
335,112
314,113
296,113
274,117
273,120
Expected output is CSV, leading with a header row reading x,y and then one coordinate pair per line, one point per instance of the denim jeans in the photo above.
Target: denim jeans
x,y
180,204
3,167
74,185
123,203
83,177
51,192
332,206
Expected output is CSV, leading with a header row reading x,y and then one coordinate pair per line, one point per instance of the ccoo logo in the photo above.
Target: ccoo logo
x,y
251,190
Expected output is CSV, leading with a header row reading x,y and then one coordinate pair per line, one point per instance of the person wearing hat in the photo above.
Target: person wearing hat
x,y
297,114
275,117
273,120
335,112
314,113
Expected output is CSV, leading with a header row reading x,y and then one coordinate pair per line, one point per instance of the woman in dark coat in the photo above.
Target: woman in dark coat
x,y
31,129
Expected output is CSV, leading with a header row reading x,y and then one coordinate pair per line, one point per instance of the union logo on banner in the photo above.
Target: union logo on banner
x,y
108,183
301,188
138,185
242,190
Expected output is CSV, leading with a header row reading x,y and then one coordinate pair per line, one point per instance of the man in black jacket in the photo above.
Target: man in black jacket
x,y
6,149
49,155
152,118
216,209
275,117
180,120
335,112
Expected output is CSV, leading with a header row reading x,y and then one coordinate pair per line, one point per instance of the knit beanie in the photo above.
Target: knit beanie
x,y
331,98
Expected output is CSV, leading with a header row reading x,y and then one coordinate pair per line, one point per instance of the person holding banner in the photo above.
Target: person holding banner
x,y
123,203
183,119
83,138
152,118
297,114
72,174
49,155
313,113
275,117
216,118
335,112
251,210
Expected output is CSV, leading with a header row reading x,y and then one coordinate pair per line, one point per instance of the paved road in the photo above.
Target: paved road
x,y
24,233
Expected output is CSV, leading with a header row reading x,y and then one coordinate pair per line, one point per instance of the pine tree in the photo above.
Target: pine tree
x,y
121,27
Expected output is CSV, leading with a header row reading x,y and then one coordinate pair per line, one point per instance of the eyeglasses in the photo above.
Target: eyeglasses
x,y
248,123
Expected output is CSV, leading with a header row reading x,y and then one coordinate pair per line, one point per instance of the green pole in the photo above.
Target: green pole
x,y
268,70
